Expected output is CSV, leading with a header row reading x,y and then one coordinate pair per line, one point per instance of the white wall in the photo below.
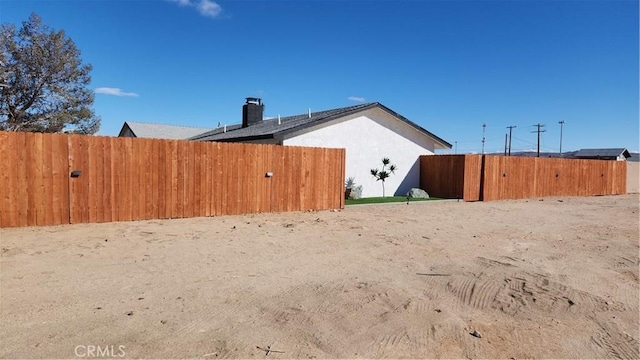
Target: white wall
x,y
368,137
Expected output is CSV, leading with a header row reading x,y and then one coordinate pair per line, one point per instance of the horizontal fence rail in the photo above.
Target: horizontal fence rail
x,y
51,179
492,177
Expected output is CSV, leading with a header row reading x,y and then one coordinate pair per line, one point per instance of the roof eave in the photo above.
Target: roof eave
x,y
439,140
244,138
289,131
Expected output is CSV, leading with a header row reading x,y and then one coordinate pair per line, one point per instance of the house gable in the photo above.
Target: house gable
x,y
369,136
362,125
126,131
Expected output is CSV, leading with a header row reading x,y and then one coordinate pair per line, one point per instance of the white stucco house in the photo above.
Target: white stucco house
x,y
368,132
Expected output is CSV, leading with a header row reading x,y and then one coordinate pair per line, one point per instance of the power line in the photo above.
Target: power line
x,y
542,146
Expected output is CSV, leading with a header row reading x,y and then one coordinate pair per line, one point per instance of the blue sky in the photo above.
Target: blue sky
x,y
449,66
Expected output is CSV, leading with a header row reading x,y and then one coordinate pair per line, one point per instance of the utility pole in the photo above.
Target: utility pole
x,y
455,149
506,136
561,122
484,126
540,126
510,132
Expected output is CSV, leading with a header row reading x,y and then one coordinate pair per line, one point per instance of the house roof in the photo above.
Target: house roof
x,y
161,131
269,128
602,153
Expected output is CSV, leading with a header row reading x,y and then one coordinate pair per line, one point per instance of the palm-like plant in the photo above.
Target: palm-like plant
x,y
382,175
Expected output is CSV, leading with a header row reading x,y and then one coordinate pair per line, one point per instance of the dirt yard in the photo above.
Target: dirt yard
x,y
551,278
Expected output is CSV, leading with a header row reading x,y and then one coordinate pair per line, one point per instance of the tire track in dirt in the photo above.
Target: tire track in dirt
x,y
526,291
474,292
629,287
304,307
518,292
415,342
616,343
206,317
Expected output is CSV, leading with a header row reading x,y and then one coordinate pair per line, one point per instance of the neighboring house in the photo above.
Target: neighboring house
x,y
619,154
159,131
368,132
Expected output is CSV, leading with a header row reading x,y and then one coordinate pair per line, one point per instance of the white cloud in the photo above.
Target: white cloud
x,y
114,91
209,8
356,98
206,8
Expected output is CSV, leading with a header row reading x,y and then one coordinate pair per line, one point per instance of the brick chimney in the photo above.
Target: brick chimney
x,y
252,112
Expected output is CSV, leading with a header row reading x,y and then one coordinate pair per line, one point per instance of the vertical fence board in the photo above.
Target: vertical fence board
x,y
63,167
275,161
175,168
145,186
95,180
107,185
48,181
216,175
212,184
232,164
180,179
6,205
116,175
223,162
33,172
197,199
20,182
165,150
151,180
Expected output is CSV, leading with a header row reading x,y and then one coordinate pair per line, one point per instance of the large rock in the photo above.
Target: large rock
x,y
417,194
355,192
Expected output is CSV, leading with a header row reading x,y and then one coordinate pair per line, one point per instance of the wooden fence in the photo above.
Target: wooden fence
x,y
492,177
124,179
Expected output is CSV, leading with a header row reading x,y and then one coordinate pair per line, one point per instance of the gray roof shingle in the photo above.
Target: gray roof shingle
x,y
162,131
270,127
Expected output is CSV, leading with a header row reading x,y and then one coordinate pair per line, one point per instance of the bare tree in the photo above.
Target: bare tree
x,y
43,83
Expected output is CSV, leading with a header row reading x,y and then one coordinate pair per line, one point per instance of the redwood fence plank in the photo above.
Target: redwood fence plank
x,y
6,169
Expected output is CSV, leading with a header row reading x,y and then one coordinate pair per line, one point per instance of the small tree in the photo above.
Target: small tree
x,y
382,175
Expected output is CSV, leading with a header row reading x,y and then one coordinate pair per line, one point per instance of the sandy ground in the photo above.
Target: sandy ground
x,y
552,278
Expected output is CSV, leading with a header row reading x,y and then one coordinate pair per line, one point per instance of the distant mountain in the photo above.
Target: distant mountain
x,y
568,154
